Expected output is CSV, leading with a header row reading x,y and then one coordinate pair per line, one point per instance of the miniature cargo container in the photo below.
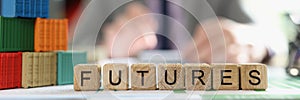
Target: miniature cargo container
x,y
51,34
16,34
38,69
65,64
10,70
25,8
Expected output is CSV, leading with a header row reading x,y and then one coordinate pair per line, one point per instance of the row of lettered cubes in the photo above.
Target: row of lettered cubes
x,y
252,76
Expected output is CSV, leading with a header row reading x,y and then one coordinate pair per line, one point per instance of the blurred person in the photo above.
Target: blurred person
x,y
245,38
130,32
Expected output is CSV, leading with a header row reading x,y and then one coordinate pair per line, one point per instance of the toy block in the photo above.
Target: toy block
x,y
253,76
143,77
170,76
225,76
198,76
86,77
115,76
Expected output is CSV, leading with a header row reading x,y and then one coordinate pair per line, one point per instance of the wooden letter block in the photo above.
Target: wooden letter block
x,y
225,76
115,76
86,77
143,77
170,76
253,76
198,76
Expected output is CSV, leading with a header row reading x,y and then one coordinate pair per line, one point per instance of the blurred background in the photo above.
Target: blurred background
x,y
257,30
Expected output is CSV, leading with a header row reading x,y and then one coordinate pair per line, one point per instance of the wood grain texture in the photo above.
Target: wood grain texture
x,y
197,76
115,76
225,76
143,77
253,76
86,77
167,80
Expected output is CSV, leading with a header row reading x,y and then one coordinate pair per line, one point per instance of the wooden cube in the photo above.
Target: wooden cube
x,y
115,76
86,77
143,77
225,76
253,76
170,76
197,76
